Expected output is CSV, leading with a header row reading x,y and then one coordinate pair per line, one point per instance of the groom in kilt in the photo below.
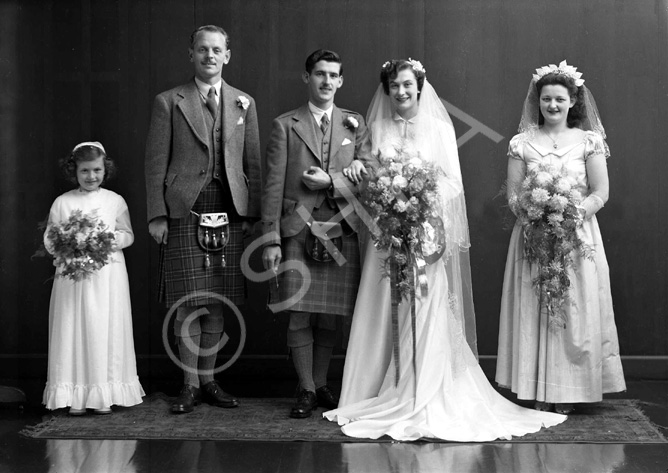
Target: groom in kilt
x,y
308,223
203,176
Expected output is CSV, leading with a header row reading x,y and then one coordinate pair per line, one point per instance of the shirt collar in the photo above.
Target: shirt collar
x,y
203,88
318,112
399,118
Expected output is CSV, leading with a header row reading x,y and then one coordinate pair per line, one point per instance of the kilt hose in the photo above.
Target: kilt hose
x,y
182,271
333,288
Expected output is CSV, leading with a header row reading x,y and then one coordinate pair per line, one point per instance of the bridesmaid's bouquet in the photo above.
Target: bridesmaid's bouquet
x,y
548,207
403,201
80,245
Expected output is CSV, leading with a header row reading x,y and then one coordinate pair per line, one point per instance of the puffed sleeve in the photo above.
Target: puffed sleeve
x,y
516,146
595,145
123,233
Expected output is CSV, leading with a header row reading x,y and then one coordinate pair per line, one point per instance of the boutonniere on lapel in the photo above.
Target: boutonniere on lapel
x,y
351,122
243,102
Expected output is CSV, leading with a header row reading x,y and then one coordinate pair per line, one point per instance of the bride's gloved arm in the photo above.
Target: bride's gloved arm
x,y
597,175
516,174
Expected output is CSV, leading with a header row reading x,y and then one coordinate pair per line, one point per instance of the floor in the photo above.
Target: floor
x,y
19,454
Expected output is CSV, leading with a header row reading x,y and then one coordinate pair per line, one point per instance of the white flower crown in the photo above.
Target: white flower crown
x,y
416,65
564,69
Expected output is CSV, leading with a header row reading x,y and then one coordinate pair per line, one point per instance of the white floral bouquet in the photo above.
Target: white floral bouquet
x,y
80,245
403,201
548,207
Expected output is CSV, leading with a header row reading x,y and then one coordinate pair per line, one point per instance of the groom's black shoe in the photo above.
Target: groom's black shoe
x,y
307,401
214,395
188,398
326,397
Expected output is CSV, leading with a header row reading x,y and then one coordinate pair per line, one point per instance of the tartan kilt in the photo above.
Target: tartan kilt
x,y
333,288
182,270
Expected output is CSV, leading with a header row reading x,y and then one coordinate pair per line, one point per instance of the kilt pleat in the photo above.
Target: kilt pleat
x,y
182,269
332,288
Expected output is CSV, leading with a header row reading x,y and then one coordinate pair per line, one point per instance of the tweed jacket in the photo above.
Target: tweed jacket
x,y
293,148
179,158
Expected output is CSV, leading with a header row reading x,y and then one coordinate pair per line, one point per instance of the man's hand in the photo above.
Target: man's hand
x,y
159,228
271,257
355,172
316,179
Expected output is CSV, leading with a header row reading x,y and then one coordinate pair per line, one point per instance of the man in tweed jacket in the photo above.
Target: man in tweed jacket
x,y
202,156
308,149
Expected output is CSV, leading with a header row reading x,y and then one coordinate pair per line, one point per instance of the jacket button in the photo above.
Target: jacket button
x,y
217,175
203,146
202,171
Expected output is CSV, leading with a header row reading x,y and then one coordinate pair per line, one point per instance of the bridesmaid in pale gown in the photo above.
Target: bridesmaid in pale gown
x,y
437,390
576,361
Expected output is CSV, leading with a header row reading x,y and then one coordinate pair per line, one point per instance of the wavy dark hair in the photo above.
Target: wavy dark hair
x,y
322,55
392,69
578,111
69,163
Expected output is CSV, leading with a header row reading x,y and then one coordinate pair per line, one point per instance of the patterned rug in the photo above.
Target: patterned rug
x,y
266,419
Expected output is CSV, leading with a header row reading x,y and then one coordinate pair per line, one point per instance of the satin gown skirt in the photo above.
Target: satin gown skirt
x,y
577,363
446,397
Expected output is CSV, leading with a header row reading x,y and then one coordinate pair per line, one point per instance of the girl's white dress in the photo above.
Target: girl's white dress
x,y
447,396
91,349
578,363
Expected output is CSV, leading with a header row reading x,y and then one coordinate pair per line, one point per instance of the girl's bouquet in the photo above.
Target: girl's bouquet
x,y
403,201
81,245
548,207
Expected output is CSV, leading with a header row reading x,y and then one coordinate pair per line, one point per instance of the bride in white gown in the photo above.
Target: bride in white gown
x,y
439,390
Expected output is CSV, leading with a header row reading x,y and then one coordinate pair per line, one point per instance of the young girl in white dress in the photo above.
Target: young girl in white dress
x,y
91,350
434,388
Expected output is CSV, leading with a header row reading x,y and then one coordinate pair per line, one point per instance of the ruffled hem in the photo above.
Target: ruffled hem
x,y
93,396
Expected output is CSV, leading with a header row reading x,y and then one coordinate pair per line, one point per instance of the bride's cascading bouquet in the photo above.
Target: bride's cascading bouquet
x,y
80,245
403,201
548,208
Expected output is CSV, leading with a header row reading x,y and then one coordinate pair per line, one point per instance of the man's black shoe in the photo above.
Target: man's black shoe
x,y
326,397
306,403
214,395
188,398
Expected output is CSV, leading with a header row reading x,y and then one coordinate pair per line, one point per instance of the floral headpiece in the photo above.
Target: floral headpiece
x,y
94,144
563,69
415,65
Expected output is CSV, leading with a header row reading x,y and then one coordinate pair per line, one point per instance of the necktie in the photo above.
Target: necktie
x,y
324,123
211,102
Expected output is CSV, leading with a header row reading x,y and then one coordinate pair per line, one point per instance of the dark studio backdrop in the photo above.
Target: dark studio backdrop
x,y
72,71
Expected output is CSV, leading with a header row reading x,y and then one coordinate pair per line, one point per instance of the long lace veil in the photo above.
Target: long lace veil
x,y
433,135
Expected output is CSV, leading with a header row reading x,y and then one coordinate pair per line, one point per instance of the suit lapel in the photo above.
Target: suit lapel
x,y
191,106
304,129
231,111
337,132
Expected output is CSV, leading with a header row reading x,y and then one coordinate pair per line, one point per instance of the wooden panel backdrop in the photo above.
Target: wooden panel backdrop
x,y
89,69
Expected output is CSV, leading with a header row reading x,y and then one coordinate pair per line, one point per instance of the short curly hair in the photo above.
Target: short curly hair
x,y
578,111
69,163
392,68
